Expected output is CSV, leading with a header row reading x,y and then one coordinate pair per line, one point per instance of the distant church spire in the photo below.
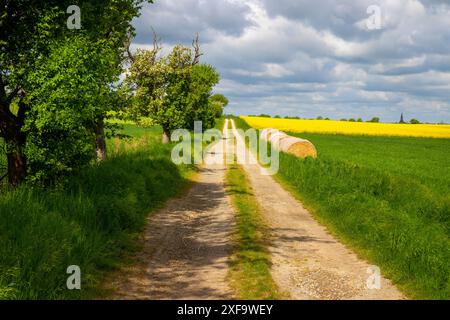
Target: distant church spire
x,y
401,119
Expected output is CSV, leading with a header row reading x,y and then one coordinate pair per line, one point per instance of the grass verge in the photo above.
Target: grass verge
x,y
91,222
250,266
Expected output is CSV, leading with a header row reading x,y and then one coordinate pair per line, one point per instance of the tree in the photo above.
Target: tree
x,y
219,102
359,120
375,120
174,90
220,98
68,93
414,121
29,31
203,79
20,47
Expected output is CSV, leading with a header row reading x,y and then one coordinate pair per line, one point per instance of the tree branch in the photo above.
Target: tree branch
x,y
127,48
197,51
156,41
156,46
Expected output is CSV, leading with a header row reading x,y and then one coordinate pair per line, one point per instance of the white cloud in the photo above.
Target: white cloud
x,y
292,57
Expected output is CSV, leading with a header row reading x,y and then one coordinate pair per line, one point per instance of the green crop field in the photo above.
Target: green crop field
x,y
388,198
91,222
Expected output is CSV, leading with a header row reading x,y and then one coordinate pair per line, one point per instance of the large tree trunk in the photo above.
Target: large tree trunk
x,y
11,131
17,164
166,136
100,141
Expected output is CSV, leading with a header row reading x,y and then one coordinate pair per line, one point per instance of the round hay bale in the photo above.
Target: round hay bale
x,y
298,147
281,141
266,133
276,137
271,132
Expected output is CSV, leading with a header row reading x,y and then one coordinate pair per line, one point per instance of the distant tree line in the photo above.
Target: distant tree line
x,y
373,120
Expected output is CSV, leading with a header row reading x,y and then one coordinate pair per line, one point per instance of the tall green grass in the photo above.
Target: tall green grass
x,y
388,198
90,222
250,265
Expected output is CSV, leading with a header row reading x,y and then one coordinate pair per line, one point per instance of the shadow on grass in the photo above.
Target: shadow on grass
x,y
90,223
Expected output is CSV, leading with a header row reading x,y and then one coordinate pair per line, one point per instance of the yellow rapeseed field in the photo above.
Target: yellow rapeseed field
x,y
351,128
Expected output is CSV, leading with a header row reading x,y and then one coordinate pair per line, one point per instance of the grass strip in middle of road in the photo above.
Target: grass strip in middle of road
x,y
250,264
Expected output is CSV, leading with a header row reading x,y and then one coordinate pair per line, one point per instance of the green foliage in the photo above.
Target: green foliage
x,y
172,90
219,102
217,109
203,79
220,98
68,92
29,28
414,121
374,120
91,223
169,109
37,49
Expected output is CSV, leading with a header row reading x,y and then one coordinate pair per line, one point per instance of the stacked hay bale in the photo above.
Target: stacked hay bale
x,y
281,141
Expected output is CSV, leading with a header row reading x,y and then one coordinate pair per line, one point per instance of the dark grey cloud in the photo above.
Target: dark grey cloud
x,y
338,17
178,21
301,58
425,63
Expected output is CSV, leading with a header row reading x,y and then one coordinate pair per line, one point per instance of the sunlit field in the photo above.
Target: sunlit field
x,y
386,197
351,128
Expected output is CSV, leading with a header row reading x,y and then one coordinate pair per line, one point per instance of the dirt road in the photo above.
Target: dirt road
x,y
187,244
308,262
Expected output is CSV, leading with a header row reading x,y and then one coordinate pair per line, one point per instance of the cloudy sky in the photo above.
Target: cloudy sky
x,y
324,57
